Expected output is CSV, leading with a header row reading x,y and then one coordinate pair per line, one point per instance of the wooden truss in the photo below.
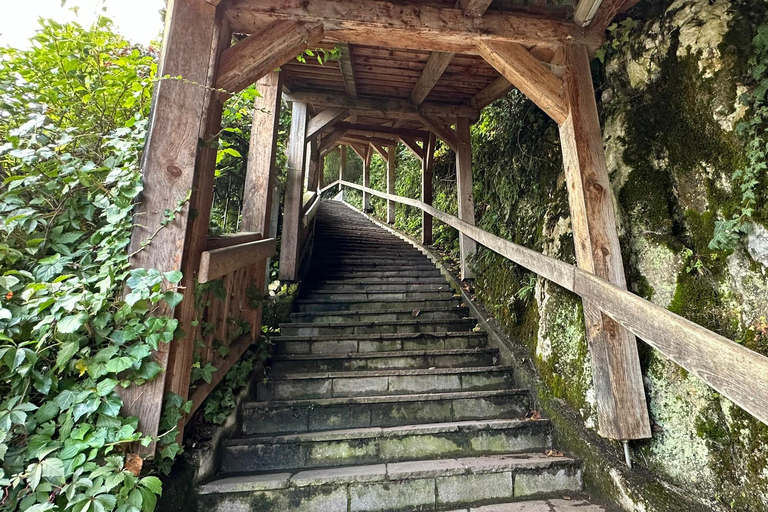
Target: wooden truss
x,y
407,72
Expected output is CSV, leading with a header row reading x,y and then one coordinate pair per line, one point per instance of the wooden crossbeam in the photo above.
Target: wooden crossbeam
x,y
529,75
410,26
413,146
220,262
381,149
607,10
347,71
442,130
495,90
330,140
434,68
474,8
244,63
382,105
376,130
325,119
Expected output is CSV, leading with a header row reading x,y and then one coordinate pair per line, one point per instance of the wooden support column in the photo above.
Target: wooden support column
x,y
427,187
313,169
391,205
621,407
260,177
343,164
177,169
367,177
464,186
297,154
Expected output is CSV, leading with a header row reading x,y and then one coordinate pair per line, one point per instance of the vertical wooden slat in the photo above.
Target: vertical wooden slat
x,y
343,163
297,152
427,186
367,177
464,187
621,407
175,166
260,175
391,205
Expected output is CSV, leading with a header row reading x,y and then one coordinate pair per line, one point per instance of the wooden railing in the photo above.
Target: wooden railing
x,y
737,373
229,312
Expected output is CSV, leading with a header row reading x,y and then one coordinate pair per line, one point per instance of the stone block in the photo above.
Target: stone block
x,y
411,495
469,489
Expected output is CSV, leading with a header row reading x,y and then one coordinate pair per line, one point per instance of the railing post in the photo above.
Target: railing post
x,y
343,164
427,186
367,178
391,205
618,381
178,170
297,153
464,187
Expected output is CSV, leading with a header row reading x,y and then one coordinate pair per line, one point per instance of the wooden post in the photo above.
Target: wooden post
x,y
177,169
261,174
313,169
427,187
391,205
297,153
621,407
343,164
367,177
464,187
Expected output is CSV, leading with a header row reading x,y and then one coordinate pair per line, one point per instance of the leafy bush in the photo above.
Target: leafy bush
x,y
73,114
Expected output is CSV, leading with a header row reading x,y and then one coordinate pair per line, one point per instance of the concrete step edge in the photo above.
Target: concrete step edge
x,y
381,336
391,373
398,354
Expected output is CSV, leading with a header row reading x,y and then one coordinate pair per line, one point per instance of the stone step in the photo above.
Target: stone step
x,y
393,360
353,286
377,327
384,445
327,304
429,485
297,416
371,258
383,382
375,296
353,343
342,273
376,281
388,315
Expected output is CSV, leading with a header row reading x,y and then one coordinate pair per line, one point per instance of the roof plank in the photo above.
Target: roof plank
x,y
435,67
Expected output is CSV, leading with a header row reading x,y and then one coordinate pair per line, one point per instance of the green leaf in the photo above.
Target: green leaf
x,y
66,352
72,323
173,277
152,483
105,387
119,364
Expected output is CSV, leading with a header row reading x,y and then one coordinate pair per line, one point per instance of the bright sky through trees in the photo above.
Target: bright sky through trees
x,y
137,20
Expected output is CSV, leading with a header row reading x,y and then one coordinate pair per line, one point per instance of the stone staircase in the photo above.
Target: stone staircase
x,y
384,396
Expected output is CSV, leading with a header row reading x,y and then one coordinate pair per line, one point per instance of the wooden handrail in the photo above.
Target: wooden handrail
x,y
737,373
220,262
329,186
219,242
311,211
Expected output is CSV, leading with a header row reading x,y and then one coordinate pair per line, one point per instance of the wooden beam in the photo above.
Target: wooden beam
x,y
618,381
381,149
495,90
330,140
260,176
325,119
442,130
221,262
427,187
347,71
474,8
382,105
176,170
377,131
608,10
529,75
391,177
367,177
468,247
258,54
292,209
342,163
586,9
410,26
434,68
414,147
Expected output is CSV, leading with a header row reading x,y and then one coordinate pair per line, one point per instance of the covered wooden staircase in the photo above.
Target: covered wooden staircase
x,y
383,396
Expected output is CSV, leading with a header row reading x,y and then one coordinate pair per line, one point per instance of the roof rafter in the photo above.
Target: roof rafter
x,y
347,71
418,27
474,8
434,68
442,129
325,119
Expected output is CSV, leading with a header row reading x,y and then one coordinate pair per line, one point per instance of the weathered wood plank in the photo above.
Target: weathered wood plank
x,y
466,201
173,165
474,8
342,163
410,26
433,70
367,177
391,177
297,153
331,139
347,70
618,382
220,242
371,130
608,10
258,54
442,130
261,171
382,105
411,144
221,262
427,187
311,212
495,90
381,149
325,119
529,75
